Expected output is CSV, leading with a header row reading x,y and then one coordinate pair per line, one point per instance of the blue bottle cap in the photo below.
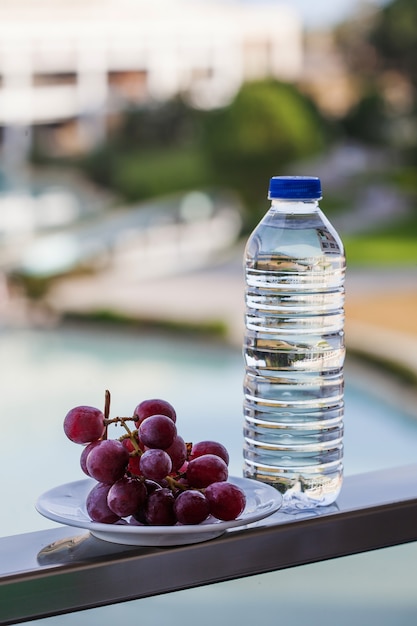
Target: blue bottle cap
x,y
295,187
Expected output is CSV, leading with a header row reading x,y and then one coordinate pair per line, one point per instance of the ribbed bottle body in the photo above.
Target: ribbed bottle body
x,y
294,353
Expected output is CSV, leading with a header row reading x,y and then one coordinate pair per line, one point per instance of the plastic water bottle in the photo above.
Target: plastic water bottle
x,y
294,347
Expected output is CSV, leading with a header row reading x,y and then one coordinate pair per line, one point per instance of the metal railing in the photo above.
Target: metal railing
x,y
63,570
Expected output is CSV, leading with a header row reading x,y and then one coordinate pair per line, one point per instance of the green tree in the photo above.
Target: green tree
x,y
153,151
157,125
394,37
268,126
380,48
171,146
368,119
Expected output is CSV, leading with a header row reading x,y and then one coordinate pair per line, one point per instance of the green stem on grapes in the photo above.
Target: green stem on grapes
x,y
129,433
174,484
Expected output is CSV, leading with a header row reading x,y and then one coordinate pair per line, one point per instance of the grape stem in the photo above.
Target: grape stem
x,y
107,399
116,420
174,484
130,434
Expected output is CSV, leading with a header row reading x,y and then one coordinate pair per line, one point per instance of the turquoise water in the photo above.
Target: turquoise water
x,y
46,373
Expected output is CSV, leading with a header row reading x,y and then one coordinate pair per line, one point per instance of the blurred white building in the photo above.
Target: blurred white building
x,y
71,64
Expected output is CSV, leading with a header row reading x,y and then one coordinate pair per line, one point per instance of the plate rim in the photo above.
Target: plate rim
x,y
274,501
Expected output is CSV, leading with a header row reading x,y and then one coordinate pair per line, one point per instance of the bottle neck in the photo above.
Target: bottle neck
x,y
294,206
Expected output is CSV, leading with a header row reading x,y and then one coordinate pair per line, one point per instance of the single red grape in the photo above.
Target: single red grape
x,y
206,469
155,464
159,508
107,461
126,496
178,453
153,406
84,424
209,447
191,507
226,500
84,454
151,485
157,431
97,507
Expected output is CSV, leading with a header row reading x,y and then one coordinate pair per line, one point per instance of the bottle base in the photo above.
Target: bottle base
x,y
300,490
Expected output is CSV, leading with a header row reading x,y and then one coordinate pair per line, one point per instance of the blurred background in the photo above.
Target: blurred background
x,y
137,140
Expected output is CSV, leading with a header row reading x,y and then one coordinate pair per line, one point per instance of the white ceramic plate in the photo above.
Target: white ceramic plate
x,y
66,504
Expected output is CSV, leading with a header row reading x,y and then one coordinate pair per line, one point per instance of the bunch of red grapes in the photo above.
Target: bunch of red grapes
x,y
149,475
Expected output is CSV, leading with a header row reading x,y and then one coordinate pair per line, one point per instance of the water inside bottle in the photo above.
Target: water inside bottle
x,y
294,353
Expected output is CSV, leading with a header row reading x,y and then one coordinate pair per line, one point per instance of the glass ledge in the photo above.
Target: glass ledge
x,y
63,570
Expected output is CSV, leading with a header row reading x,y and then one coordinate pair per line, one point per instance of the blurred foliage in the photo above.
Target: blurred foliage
x,y
393,242
170,147
380,49
212,329
152,151
394,37
137,174
159,172
406,180
388,249
166,147
368,119
267,127
158,125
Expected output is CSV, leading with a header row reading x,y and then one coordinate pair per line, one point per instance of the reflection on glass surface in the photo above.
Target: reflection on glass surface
x,y
373,588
